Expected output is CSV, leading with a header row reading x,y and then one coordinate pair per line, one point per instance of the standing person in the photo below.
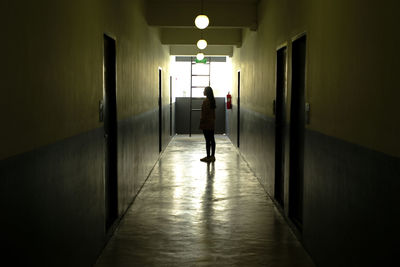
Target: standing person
x,y
207,123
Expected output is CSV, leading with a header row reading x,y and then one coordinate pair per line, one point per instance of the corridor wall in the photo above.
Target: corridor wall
x,y
351,151
52,144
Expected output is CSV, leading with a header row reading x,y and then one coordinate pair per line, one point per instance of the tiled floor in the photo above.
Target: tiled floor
x,y
191,213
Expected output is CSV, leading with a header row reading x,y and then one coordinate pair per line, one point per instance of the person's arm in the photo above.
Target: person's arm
x,y
203,115
203,112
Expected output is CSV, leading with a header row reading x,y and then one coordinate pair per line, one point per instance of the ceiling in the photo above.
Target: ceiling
x,y
227,19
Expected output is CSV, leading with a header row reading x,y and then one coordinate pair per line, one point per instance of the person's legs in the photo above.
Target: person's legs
x,y
212,143
208,143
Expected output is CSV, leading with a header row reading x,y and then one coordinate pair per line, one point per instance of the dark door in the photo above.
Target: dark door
x,y
159,110
110,131
170,105
297,121
280,124
238,110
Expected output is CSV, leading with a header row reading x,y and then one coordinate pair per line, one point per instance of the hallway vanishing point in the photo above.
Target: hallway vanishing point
x,y
191,213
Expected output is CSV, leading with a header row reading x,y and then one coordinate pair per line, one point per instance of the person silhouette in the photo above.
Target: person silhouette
x,y
207,123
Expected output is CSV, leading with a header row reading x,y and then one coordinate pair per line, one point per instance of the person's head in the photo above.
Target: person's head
x,y
208,92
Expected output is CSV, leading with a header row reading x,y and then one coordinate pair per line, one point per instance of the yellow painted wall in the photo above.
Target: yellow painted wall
x,y
352,66
52,74
140,56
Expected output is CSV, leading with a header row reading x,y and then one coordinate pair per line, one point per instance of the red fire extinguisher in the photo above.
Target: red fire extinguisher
x,y
228,101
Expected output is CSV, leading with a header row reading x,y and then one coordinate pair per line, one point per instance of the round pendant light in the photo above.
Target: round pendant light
x,y
200,56
201,21
201,44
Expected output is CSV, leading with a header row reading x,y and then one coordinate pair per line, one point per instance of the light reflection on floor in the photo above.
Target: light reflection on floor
x,y
191,213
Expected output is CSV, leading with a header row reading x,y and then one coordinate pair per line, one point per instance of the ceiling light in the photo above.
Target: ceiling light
x,y
201,44
200,56
201,21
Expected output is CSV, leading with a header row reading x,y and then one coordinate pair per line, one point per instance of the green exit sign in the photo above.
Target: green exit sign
x,y
204,60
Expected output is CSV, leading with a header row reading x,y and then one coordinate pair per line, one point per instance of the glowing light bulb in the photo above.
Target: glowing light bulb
x,y
201,44
201,21
200,56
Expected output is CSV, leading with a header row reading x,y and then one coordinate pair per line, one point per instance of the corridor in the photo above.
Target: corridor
x,y
190,213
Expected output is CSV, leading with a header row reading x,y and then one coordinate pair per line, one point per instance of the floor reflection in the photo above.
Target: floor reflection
x,y
191,213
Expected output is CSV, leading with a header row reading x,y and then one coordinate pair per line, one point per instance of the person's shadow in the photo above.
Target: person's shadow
x,y
210,171
208,208
208,194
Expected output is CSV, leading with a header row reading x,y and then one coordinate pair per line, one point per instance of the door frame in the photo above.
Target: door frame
x,y
296,140
160,115
280,135
170,105
238,106
111,146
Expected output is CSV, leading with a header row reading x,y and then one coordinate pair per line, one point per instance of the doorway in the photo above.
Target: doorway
x,y
170,105
159,110
200,77
238,109
297,128
279,110
110,131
